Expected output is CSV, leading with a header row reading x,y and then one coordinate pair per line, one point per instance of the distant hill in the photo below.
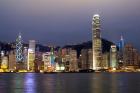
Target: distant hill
x,y
42,48
8,47
88,45
5,46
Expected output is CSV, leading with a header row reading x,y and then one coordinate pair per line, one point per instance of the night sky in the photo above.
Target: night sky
x,y
60,22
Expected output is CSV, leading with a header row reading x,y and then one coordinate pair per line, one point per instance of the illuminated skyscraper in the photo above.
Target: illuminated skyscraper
x,y
86,59
12,61
96,42
52,56
25,56
19,49
73,60
121,50
31,55
4,63
47,61
113,57
131,56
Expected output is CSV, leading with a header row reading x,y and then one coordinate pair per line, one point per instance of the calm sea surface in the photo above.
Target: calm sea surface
x,y
70,83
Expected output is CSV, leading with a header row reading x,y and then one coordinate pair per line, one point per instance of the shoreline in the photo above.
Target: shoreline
x,y
70,72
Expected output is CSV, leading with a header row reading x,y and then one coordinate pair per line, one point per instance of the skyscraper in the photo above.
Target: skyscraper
x,y
121,45
31,55
113,57
12,61
46,58
32,45
73,60
86,59
19,49
4,63
131,56
52,57
96,42
25,56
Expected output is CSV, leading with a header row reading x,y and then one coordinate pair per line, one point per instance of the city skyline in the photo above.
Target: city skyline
x,y
71,59
69,46
55,22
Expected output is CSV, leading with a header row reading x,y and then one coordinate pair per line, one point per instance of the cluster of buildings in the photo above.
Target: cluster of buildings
x,y
29,59
121,57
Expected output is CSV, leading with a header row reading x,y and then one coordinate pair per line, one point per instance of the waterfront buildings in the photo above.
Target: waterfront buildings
x,y
86,59
72,58
113,57
131,56
47,61
19,49
58,60
121,45
67,60
25,57
19,53
90,58
31,55
4,63
39,64
96,42
12,61
106,60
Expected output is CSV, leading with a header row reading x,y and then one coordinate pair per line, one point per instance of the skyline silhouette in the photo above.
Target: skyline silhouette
x,y
67,22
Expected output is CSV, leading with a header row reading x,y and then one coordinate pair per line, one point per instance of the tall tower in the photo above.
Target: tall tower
x,y
121,50
19,49
96,42
52,56
25,56
113,57
121,44
31,55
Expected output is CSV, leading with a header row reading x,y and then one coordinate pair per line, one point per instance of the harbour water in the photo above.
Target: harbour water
x,y
70,83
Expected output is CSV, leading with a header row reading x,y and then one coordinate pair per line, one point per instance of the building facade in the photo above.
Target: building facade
x,y
86,59
73,60
96,42
31,55
113,57
131,56
19,49
106,60
12,61
46,57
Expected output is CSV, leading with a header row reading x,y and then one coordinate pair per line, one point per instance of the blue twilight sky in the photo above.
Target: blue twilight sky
x,y
60,22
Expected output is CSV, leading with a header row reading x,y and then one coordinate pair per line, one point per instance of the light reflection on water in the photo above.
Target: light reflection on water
x,y
30,83
70,83
17,84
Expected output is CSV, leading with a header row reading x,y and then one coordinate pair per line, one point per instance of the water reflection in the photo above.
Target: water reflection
x,y
70,83
114,84
29,83
105,83
17,84
48,83
98,83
